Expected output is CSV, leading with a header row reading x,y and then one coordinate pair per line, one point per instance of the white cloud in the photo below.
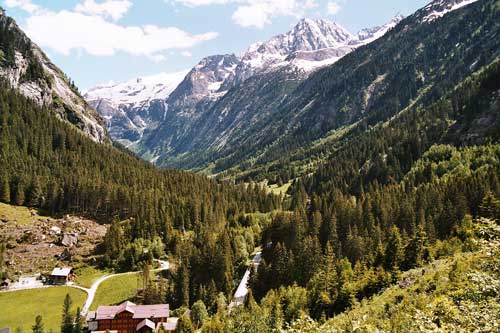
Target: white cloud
x,y
257,13
87,29
333,8
186,54
100,37
158,58
25,5
195,3
114,9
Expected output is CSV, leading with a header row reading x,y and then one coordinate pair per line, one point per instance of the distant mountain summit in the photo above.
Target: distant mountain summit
x,y
170,103
439,8
131,107
25,67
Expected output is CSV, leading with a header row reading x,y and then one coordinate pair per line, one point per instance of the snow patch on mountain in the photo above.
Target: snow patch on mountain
x,y
138,92
438,9
367,36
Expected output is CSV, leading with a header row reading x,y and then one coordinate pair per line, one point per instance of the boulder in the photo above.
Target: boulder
x,y
69,239
65,255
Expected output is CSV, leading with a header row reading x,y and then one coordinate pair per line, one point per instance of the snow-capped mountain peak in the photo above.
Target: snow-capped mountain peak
x,y
142,104
306,35
439,8
366,36
138,92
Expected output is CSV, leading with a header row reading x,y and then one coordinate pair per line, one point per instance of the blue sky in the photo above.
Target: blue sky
x,y
97,41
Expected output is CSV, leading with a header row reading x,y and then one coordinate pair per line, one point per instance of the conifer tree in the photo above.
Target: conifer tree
x,y
394,251
38,327
184,325
67,317
199,313
78,322
4,189
35,195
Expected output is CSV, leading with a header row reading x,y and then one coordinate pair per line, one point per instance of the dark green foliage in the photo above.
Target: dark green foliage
x,y
50,165
38,327
387,202
184,325
199,313
10,42
67,317
394,254
78,328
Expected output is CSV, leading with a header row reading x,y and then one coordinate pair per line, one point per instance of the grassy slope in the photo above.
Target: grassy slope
x,y
457,294
116,290
19,308
86,275
21,215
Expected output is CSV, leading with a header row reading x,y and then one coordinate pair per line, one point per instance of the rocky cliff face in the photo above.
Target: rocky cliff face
x,y
221,91
24,65
133,107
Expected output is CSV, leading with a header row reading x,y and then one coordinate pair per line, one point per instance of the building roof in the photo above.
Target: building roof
x,y
146,323
65,271
4,330
138,311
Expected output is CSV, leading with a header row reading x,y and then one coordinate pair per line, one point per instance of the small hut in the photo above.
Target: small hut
x,y
61,275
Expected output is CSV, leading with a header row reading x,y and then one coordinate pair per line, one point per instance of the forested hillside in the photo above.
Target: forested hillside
x,y
413,64
49,164
391,199
24,66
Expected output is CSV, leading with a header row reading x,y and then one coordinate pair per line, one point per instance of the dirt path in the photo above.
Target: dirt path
x,y
164,265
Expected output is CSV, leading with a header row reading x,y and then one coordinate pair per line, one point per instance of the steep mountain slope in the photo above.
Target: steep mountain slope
x,y
416,60
260,80
49,164
130,108
24,65
387,234
284,59
459,293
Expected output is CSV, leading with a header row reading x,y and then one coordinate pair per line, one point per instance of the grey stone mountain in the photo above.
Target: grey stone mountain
x,y
220,93
283,112
25,67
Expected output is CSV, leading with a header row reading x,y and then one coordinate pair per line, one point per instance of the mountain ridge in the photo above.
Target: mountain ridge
x,y
307,47
27,68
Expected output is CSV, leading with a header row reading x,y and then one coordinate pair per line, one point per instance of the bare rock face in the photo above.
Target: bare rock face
x,y
69,239
221,94
30,71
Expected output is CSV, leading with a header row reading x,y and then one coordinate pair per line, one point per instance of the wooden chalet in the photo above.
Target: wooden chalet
x,y
131,318
61,275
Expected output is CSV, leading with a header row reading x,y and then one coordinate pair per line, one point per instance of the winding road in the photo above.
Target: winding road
x,y
242,290
164,265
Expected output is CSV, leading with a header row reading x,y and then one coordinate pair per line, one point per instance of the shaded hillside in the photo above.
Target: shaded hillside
x,y
27,68
49,164
413,64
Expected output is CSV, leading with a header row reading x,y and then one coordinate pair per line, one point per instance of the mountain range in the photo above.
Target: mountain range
x,y
366,183
290,98
141,110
